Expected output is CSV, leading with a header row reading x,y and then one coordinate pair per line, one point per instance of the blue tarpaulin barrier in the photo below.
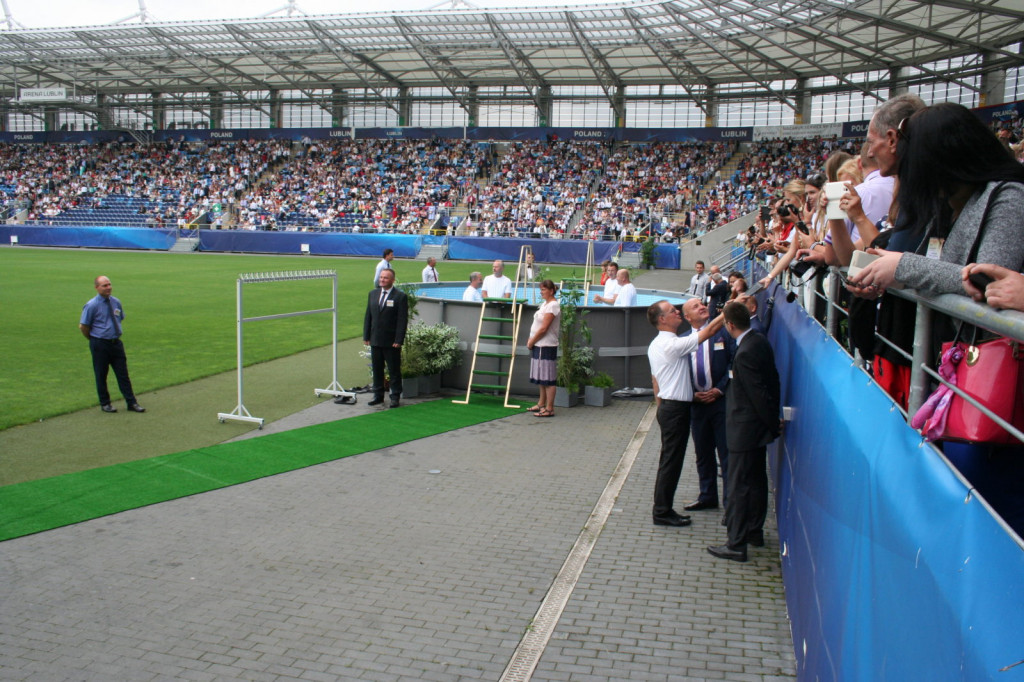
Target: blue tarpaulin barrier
x,y
894,568
572,251
323,244
90,237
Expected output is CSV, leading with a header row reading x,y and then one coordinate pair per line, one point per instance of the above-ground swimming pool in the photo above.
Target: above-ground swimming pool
x,y
531,292
620,336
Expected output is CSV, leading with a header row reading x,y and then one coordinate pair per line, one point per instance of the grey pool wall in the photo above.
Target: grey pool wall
x,y
619,336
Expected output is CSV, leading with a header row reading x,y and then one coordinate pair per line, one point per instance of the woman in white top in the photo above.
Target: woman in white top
x,y
543,345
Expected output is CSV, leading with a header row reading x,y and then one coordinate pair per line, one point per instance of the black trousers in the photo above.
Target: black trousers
x,y
392,357
109,354
748,496
674,420
708,437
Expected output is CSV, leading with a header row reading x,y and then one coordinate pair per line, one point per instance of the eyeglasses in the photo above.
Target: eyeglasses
x,y
901,129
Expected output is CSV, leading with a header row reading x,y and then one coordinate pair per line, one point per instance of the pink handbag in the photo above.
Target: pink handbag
x,y
991,372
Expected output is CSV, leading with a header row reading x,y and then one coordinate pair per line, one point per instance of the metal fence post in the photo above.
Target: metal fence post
x,y
922,356
831,319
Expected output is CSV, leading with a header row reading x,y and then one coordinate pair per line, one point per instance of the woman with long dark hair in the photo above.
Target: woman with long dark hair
x,y
962,191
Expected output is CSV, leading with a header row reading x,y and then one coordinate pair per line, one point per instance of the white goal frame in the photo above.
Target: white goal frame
x,y
335,389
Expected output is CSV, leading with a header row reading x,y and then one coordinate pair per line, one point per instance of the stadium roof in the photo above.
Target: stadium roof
x,y
763,47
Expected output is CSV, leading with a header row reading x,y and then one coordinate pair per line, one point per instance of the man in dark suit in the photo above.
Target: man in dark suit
x,y
752,419
718,293
387,317
755,322
709,372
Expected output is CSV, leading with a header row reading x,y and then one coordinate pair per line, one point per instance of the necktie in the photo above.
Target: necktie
x,y
433,273
113,319
383,297
701,374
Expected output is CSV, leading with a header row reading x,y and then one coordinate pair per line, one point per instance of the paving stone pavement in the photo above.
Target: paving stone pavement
x,y
374,568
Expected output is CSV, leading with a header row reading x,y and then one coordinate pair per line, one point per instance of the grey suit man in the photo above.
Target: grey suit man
x,y
752,419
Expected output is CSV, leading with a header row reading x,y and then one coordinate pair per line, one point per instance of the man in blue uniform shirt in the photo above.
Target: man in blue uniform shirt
x,y
101,324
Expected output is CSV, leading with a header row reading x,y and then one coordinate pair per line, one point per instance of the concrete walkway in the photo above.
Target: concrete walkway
x,y
432,560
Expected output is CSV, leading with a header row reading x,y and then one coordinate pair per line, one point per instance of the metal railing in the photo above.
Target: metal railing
x,y
962,309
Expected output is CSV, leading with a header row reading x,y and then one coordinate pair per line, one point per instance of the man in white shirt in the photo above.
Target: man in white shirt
x,y
497,285
611,286
668,355
627,292
699,282
430,272
472,292
384,264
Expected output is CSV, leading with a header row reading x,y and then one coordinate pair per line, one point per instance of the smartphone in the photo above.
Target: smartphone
x,y
766,213
980,280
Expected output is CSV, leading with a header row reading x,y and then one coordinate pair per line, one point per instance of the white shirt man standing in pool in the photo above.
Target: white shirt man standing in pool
x,y
627,292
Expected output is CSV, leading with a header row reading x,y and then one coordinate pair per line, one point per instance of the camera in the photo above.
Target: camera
x,y
787,210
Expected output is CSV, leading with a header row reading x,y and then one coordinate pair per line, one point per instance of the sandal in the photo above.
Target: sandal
x,y
544,413
535,408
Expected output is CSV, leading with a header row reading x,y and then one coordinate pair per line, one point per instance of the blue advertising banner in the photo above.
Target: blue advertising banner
x,y
685,134
90,237
410,133
1001,113
320,243
23,138
894,568
612,134
855,129
573,251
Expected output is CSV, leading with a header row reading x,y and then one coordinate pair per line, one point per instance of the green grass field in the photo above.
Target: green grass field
x,y
179,318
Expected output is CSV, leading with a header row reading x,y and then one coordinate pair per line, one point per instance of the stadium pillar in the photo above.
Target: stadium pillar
x,y
619,99
897,81
404,107
993,83
159,111
275,108
803,103
544,112
711,118
473,106
49,118
339,107
103,121
216,109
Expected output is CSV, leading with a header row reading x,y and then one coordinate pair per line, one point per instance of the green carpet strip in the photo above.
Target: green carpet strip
x,y
36,506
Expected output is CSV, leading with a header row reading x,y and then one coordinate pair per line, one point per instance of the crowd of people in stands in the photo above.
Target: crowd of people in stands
x,y
539,188
644,185
363,185
164,182
536,188
552,188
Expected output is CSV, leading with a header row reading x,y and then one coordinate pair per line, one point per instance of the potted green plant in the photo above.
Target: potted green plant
x,y
575,353
598,392
647,253
410,289
429,349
